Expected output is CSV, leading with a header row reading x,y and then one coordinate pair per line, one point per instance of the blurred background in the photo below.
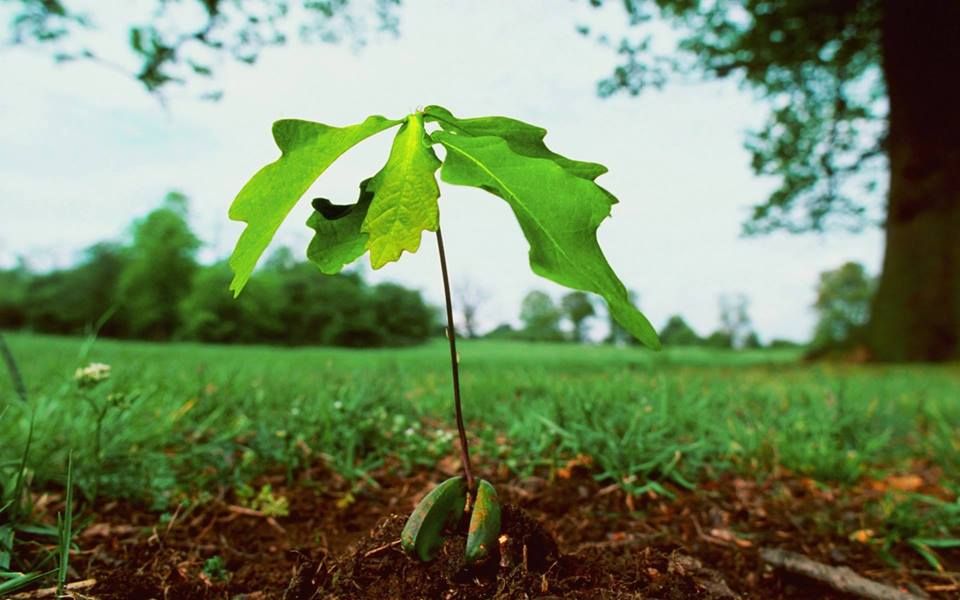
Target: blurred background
x,y
750,144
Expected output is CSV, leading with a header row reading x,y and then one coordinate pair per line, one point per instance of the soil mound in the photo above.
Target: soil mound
x,y
527,565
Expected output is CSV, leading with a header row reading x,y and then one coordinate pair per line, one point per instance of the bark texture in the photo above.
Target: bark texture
x,y
915,314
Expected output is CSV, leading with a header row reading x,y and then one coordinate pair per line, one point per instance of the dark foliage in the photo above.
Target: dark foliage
x,y
153,288
541,318
178,42
817,62
843,309
678,333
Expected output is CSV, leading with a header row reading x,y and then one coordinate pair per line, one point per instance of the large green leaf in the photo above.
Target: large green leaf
x,y
558,212
307,149
523,138
338,240
405,203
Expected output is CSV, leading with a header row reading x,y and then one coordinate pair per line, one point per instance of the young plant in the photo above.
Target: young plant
x,y
556,201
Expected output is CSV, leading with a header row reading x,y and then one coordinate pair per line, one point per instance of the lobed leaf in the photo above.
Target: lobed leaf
x,y
558,212
338,240
307,150
405,202
523,138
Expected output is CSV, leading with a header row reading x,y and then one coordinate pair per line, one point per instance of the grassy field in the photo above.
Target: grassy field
x,y
176,419
183,426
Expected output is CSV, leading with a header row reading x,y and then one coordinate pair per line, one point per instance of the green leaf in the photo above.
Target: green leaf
x,y
307,149
338,240
558,212
523,138
405,203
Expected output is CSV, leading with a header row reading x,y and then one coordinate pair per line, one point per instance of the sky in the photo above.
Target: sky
x,y
85,150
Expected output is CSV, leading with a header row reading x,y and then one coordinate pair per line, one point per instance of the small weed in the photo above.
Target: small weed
x,y
215,569
922,522
264,501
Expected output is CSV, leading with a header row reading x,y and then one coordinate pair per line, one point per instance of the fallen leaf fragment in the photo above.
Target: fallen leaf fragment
x,y
107,530
726,535
905,483
862,536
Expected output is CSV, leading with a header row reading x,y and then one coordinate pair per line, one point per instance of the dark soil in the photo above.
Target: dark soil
x,y
567,536
528,565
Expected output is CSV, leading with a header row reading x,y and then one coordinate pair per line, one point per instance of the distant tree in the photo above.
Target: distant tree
x,y
13,290
402,315
287,303
328,310
842,306
280,260
578,308
469,300
678,333
752,341
735,319
95,283
159,272
174,42
858,90
784,344
541,318
90,287
503,331
44,304
209,313
719,339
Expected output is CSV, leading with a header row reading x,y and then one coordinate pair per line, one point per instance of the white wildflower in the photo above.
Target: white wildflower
x,y
92,374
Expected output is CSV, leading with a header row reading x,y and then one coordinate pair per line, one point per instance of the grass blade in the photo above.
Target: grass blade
x,y
927,553
6,546
66,534
13,369
21,475
90,336
938,542
19,581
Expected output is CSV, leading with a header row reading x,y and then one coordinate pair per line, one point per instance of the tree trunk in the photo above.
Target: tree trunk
x,y
915,314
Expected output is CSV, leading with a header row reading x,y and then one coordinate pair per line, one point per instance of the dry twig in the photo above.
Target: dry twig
x,y
380,549
843,579
51,592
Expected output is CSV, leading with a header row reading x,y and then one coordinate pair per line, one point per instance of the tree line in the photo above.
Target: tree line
x,y
544,320
842,307
152,287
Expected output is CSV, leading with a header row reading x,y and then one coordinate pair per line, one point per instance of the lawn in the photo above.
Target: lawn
x,y
182,423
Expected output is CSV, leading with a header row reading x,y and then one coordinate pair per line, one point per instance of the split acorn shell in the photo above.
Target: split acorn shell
x,y
484,523
442,508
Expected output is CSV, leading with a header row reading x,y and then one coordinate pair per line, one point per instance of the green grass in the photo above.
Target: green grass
x,y
175,422
178,419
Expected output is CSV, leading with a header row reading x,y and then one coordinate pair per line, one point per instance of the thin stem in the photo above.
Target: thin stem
x,y
455,367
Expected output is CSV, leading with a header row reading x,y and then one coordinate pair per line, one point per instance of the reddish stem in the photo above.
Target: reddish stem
x,y
455,367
